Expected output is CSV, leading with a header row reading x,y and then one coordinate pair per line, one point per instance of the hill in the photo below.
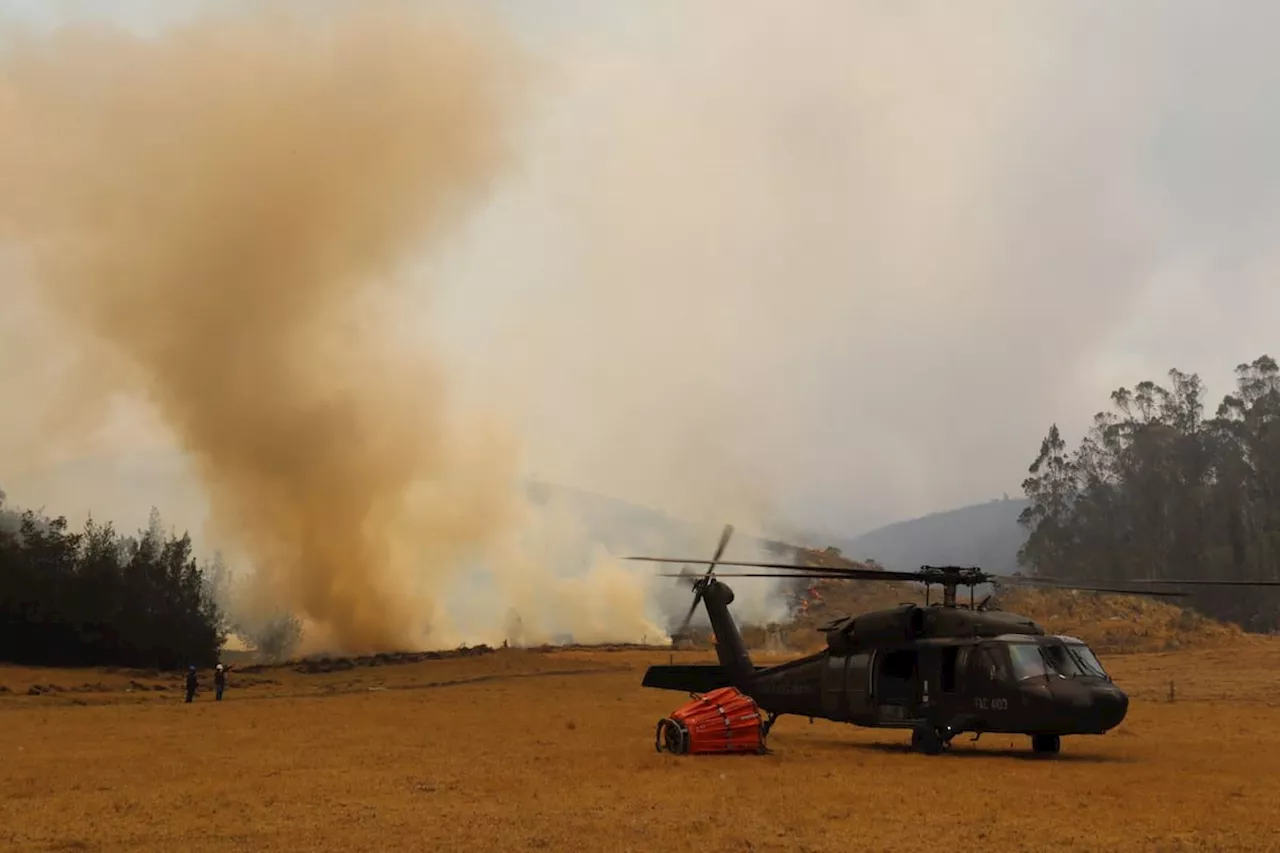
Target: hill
x,y
1111,624
622,527
985,534
616,523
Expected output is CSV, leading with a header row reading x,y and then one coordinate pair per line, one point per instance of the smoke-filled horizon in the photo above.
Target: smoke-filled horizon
x,y
813,270
852,261
229,242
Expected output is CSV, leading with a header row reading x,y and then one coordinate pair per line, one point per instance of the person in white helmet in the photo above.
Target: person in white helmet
x,y
219,682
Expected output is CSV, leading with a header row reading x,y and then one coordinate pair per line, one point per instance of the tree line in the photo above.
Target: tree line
x,y
94,597
1158,490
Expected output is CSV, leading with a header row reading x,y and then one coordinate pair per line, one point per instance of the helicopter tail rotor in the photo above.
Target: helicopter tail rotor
x,y
700,585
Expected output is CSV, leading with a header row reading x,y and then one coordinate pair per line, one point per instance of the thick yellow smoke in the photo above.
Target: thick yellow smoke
x,y
220,214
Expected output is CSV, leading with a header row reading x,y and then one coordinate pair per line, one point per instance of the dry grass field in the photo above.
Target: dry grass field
x,y
529,750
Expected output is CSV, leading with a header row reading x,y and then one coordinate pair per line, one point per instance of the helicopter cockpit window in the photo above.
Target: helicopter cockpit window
x,y
1061,661
1027,660
1087,660
1066,659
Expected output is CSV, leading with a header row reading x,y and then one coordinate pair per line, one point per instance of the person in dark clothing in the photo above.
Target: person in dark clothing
x,y
191,683
219,681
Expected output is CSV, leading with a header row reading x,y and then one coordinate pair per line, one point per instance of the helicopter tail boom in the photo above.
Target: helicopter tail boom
x,y
731,649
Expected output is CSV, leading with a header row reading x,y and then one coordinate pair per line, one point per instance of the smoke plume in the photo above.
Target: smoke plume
x,y
845,261
220,215
830,266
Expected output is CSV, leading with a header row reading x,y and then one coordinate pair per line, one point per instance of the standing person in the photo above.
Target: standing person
x,y
191,682
219,682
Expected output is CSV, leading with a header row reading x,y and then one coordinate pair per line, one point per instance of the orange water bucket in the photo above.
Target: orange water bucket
x,y
722,721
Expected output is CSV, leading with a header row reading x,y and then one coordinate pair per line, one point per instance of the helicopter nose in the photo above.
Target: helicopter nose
x,y
1110,706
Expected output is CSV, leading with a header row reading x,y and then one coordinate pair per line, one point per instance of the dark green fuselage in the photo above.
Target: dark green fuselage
x,y
943,669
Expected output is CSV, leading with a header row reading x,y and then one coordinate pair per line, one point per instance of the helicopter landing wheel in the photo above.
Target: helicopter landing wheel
x,y
1046,744
927,740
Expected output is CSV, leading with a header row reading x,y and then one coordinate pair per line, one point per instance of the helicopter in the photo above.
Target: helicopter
x,y
938,670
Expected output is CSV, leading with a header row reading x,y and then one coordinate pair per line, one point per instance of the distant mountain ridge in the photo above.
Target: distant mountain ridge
x,y
984,534
621,526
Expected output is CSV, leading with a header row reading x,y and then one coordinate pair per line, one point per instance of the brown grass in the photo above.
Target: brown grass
x,y
528,750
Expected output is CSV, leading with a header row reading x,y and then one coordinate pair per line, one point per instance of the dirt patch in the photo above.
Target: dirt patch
x,y
324,664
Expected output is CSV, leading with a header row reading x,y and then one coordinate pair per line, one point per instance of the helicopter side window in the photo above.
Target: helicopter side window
x,y
989,664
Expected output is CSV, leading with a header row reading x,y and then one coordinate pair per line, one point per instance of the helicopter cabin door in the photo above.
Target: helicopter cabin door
x,y
857,687
897,684
949,698
833,683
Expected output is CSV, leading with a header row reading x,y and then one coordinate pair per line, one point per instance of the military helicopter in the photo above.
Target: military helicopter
x,y
938,670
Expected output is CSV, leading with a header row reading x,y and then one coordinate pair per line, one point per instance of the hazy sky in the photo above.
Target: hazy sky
x,y
844,262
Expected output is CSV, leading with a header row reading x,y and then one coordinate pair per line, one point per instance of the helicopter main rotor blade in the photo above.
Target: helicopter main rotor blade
x,y
734,563
1112,590
1037,579
1179,582
968,576
821,575
804,575
834,571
